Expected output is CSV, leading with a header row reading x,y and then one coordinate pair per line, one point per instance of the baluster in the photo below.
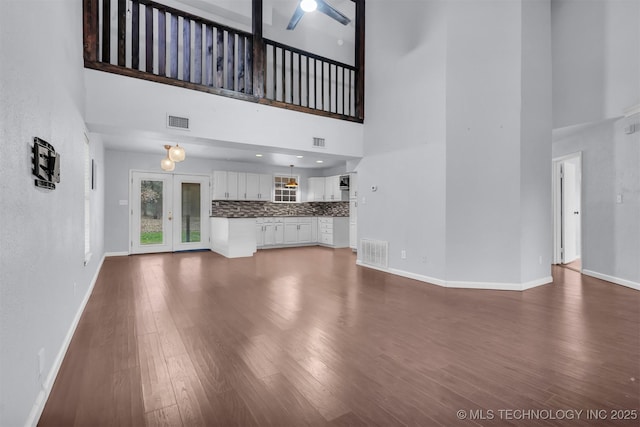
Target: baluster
x,y
186,49
249,66
284,75
308,97
241,63
148,24
220,58
122,31
173,47
135,35
330,86
350,90
322,104
299,79
343,80
315,84
197,46
106,31
291,75
209,55
231,49
162,42
275,73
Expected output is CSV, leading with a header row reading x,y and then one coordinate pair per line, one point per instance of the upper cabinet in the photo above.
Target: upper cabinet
x,y
353,186
324,189
225,185
315,189
241,186
257,187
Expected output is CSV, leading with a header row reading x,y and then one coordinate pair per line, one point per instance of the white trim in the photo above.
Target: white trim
x,y
628,112
463,285
41,399
612,279
110,254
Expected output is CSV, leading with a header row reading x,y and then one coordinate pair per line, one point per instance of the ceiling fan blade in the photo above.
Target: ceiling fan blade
x,y
331,12
297,16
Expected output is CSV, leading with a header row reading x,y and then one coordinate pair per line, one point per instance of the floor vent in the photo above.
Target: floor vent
x,y
374,252
318,143
176,122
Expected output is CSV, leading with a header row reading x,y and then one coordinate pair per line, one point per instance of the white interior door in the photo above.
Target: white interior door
x,y
169,212
570,212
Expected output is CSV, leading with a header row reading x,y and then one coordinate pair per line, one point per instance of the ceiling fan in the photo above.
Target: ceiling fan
x,y
305,6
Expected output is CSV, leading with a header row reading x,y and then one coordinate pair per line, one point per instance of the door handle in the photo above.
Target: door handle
x,y
170,216
576,212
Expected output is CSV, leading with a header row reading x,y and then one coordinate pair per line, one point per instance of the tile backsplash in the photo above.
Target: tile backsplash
x,y
239,209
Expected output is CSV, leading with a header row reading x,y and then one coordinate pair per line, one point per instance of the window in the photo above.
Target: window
x,y
283,194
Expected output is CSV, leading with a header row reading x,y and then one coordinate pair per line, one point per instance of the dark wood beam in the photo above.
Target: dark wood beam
x,y
90,29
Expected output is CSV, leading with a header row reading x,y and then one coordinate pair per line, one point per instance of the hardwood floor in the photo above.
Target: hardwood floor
x,y
296,337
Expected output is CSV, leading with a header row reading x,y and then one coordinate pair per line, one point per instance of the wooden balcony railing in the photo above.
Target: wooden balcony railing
x,y
160,43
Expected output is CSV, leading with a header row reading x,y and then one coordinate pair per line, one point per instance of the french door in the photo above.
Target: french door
x,y
169,212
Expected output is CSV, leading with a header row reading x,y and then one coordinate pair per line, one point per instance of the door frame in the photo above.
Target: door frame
x,y
556,182
205,229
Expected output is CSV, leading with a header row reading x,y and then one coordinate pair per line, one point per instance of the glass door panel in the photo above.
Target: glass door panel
x,y
190,212
151,212
192,201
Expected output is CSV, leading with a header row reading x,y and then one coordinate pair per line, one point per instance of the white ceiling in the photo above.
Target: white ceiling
x,y
221,150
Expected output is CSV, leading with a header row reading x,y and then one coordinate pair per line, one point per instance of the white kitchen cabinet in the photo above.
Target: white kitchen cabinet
x,y
332,190
353,223
298,230
257,187
233,237
333,231
315,189
353,186
225,185
278,231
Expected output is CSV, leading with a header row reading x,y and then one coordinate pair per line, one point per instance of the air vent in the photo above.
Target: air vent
x,y
318,143
175,122
374,252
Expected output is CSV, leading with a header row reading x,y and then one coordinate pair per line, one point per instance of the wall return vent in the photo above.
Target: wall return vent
x,y
318,143
175,122
374,252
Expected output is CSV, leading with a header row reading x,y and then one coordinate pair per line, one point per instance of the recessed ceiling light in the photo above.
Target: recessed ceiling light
x,y
300,157
258,155
319,161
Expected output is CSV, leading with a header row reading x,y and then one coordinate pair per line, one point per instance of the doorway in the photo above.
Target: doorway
x,y
567,192
169,212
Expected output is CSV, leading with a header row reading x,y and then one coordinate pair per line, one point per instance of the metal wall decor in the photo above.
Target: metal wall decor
x,y
46,164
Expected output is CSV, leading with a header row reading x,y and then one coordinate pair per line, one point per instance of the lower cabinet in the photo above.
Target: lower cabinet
x,y
333,231
292,231
297,230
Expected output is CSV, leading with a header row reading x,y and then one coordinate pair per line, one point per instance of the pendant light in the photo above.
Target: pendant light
x,y
167,164
292,181
177,153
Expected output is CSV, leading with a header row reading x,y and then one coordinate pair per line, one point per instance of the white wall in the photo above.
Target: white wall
x,y
483,141
595,59
142,106
119,163
610,166
405,134
454,150
42,232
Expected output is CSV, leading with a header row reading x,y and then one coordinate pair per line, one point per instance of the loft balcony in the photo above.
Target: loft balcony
x,y
160,43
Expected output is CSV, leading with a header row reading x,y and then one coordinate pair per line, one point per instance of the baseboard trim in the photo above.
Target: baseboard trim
x,y
612,279
110,254
463,285
41,399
